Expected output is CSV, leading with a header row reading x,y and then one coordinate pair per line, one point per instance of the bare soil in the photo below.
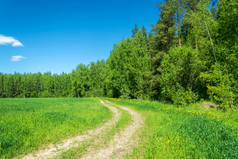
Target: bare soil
x,y
122,142
54,150
209,105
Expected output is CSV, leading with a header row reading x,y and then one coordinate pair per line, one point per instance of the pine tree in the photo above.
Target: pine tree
x,y
135,30
228,34
143,29
179,7
1,85
18,85
160,42
11,88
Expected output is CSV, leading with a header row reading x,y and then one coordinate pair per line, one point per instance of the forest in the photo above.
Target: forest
x,y
191,54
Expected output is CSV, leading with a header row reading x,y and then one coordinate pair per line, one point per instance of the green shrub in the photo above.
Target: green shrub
x,y
182,97
220,86
180,71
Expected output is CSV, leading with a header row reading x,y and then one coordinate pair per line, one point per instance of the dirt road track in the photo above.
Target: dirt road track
x,y
123,142
54,150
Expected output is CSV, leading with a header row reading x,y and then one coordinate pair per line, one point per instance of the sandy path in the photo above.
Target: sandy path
x,y
54,150
123,142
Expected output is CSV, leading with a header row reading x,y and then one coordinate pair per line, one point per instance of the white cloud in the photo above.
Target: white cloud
x,y
6,40
17,58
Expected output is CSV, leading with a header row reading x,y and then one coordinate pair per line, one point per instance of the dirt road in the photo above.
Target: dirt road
x,y
121,143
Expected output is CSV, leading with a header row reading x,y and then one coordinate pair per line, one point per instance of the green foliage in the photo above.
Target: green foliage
x,y
126,66
190,38
97,74
180,72
135,30
220,86
200,30
190,54
228,35
182,97
228,25
83,81
164,29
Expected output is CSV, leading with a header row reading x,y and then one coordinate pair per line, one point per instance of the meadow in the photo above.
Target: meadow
x,y
184,132
29,124
100,141
169,131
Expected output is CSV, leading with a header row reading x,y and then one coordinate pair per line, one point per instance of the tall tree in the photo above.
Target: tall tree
x,y
18,84
128,61
228,34
180,9
1,85
160,41
135,30
11,88
181,70
143,29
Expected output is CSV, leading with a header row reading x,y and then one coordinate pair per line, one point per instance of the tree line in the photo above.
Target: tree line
x,y
190,54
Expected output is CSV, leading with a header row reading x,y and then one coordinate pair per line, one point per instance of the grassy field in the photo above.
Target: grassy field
x,y
28,124
184,132
99,141
168,132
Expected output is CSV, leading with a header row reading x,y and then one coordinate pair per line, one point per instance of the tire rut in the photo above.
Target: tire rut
x,y
55,150
122,141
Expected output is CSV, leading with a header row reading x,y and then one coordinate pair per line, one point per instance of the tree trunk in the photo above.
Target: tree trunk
x,y
179,34
196,40
208,32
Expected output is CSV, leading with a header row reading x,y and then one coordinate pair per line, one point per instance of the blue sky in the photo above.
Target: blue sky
x,y
57,35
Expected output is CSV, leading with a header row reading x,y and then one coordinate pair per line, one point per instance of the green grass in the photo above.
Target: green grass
x,y
184,132
99,141
28,124
169,131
